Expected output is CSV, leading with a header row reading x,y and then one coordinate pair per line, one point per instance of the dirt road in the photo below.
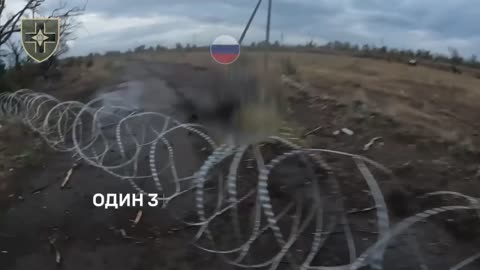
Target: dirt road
x,y
93,238
87,237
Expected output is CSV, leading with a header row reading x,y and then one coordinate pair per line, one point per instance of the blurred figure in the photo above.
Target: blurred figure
x,y
235,104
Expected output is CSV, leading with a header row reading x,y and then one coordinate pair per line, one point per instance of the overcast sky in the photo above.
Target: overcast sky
x,y
429,24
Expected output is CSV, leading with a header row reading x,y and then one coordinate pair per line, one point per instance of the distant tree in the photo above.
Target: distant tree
x,y
140,48
160,48
253,45
337,45
410,53
393,51
427,54
346,46
69,23
423,54
473,59
276,44
179,46
441,58
262,44
418,54
5,84
10,24
311,44
3,68
90,61
16,53
455,57
113,53
366,48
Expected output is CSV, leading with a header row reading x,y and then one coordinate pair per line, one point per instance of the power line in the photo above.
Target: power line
x,y
269,18
267,34
250,21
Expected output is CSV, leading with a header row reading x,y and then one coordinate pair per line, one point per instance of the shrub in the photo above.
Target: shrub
x,y
89,62
5,85
288,67
70,62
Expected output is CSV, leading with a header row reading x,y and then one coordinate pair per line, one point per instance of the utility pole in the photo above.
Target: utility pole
x,y
267,44
267,34
269,17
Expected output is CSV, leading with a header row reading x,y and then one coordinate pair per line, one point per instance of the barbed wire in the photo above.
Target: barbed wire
x,y
248,208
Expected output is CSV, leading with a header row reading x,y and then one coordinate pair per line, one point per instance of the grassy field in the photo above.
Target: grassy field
x,y
439,105
444,104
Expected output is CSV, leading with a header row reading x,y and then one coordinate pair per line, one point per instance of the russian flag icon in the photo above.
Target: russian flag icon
x,y
225,49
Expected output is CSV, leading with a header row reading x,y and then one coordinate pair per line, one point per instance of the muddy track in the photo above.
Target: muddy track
x,y
93,238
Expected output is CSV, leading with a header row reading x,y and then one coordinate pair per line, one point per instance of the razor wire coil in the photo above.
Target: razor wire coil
x,y
134,145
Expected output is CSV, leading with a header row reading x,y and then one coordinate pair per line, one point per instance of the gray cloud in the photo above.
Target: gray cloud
x,y
428,24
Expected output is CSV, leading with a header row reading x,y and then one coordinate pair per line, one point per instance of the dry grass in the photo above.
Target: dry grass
x,y
438,101
435,100
443,103
80,79
20,149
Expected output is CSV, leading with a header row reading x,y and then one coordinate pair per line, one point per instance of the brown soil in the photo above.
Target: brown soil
x,y
426,149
